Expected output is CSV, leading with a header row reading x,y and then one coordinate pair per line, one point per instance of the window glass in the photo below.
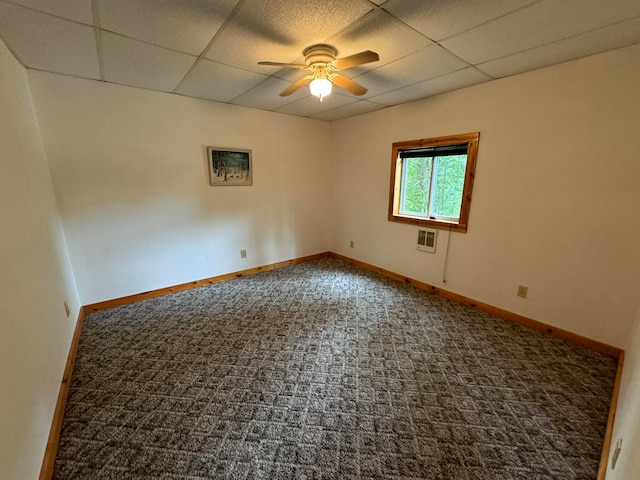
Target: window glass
x,y
431,181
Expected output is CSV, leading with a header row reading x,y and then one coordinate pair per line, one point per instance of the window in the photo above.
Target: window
x,y
431,181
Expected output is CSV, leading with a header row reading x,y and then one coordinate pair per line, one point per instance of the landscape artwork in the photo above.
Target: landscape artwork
x,y
229,167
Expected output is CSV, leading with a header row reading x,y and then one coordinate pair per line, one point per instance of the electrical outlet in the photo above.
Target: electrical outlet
x,y
243,254
66,308
522,291
351,243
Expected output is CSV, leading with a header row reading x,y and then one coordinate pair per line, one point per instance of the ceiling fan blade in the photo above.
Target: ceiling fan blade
x,y
357,59
287,65
300,83
348,84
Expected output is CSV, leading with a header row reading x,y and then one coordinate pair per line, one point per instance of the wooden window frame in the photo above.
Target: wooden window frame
x,y
472,140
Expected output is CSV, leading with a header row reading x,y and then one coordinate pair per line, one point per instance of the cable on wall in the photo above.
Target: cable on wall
x,y
446,257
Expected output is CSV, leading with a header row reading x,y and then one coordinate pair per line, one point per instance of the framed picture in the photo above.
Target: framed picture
x,y
229,166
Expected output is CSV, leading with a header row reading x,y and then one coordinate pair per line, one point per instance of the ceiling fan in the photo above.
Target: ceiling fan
x,y
320,59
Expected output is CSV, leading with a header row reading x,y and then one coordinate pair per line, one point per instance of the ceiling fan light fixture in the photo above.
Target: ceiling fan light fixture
x,y
321,61
320,87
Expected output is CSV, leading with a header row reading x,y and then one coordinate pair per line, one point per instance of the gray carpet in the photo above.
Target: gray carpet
x,y
324,370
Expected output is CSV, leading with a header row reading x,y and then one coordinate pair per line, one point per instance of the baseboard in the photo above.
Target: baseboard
x,y
46,471
514,317
499,312
608,434
116,302
600,347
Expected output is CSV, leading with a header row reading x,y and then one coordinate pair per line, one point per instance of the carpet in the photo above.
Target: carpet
x,y
324,370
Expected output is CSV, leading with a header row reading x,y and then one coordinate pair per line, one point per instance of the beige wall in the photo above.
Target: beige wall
x,y
35,280
553,208
556,199
131,175
627,424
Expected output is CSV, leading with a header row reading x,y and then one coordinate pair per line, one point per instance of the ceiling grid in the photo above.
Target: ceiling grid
x,y
210,49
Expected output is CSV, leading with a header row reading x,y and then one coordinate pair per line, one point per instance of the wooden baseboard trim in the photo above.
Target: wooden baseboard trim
x,y
608,434
116,302
499,312
514,317
600,347
46,471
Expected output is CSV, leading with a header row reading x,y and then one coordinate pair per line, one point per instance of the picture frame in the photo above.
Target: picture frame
x,y
229,166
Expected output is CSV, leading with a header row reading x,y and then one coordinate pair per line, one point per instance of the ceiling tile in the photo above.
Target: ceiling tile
x,y
310,105
460,79
78,10
614,36
155,44
428,63
392,40
49,43
140,64
278,30
214,81
438,19
350,110
184,26
266,95
536,25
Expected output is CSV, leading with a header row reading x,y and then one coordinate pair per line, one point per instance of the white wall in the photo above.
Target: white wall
x,y
556,203
130,172
627,423
35,280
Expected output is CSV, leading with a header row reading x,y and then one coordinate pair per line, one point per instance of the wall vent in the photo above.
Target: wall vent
x,y
427,240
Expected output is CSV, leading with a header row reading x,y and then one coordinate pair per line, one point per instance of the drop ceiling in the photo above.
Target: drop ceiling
x,y
210,49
